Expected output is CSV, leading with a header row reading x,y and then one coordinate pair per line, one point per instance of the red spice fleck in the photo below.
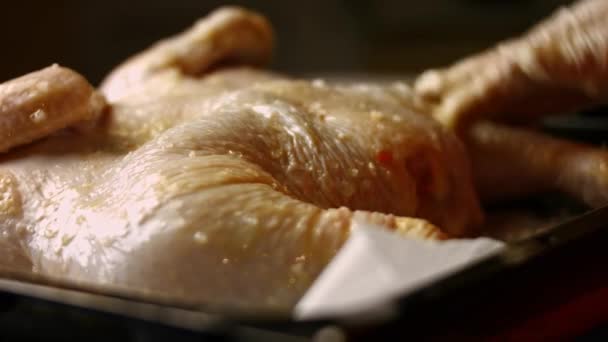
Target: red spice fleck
x,y
422,172
384,157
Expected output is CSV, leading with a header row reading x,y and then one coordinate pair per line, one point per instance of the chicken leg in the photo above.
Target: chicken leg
x,y
560,65
512,162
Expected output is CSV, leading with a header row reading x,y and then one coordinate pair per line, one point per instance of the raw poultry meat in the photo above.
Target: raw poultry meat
x,y
234,187
184,176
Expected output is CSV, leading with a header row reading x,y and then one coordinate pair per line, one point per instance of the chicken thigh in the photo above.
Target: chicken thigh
x,y
233,186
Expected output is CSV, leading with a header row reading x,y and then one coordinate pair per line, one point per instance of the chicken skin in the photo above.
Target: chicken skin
x,y
190,174
233,186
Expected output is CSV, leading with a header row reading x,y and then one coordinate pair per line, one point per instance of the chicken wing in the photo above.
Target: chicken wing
x,y
38,104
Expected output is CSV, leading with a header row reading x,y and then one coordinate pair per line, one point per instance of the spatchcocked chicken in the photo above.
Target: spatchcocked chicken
x,y
234,185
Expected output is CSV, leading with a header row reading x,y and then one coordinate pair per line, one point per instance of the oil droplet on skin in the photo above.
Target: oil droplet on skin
x,y
354,172
225,261
276,154
319,83
371,167
38,116
376,115
191,154
343,136
200,238
272,222
316,107
297,269
250,220
301,258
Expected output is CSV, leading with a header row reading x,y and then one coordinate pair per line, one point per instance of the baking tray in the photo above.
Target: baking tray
x,y
547,286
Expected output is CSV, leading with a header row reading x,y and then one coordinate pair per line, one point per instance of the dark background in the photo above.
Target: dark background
x,y
364,36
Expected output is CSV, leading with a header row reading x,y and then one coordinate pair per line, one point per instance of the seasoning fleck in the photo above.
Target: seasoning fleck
x,y
38,116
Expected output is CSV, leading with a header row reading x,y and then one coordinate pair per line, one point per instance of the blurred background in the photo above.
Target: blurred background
x,y
331,36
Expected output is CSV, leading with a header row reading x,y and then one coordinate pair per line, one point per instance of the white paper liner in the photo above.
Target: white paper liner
x,y
375,266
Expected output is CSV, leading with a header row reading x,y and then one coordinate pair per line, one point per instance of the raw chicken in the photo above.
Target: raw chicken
x,y
237,186
233,187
